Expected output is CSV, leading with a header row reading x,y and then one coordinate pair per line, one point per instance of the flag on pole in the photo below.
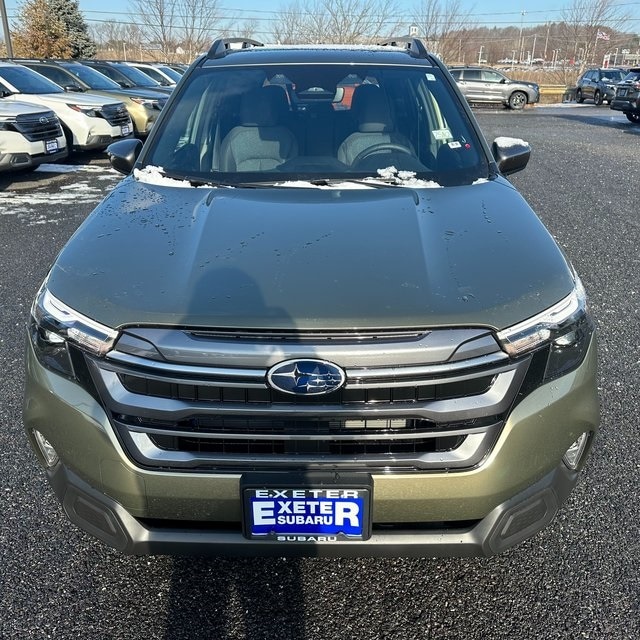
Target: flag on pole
x,y
602,36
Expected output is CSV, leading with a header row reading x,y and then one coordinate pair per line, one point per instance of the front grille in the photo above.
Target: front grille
x,y
176,403
389,395
325,447
39,126
115,114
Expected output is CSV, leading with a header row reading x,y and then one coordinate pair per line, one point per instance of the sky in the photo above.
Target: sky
x,y
486,12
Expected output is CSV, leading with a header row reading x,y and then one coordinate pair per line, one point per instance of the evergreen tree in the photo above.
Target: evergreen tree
x,y
68,12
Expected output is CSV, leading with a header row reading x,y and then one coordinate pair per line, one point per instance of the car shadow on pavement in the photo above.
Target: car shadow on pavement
x,y
220,598
597,120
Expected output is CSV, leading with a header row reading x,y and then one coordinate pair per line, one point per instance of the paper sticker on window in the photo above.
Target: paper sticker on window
x,y
430,77
455,145
442,134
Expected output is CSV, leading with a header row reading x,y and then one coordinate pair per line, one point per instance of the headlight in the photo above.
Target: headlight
x,y
89,111
565,328
7,124
54,326
149,104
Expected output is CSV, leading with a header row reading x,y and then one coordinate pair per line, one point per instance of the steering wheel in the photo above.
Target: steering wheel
x,y
381,147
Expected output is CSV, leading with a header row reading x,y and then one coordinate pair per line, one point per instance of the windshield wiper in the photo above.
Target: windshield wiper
x,y
375,183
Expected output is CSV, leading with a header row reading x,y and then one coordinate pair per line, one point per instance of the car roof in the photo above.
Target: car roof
x,y
399,51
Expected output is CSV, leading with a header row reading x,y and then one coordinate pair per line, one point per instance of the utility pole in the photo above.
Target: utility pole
x,y
5,28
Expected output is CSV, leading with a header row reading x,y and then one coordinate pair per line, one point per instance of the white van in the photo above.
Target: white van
x,y
88,121
29,136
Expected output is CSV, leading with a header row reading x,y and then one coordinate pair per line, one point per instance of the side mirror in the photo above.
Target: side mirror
x,y
73,87
511,154
123,154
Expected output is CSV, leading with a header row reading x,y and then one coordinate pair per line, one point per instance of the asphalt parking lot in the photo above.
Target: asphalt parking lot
x,y
580,578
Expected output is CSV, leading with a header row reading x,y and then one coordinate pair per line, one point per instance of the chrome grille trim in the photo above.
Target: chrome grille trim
x,y
435,401
469,454
364,377
115,114
31,127
495,401
185,348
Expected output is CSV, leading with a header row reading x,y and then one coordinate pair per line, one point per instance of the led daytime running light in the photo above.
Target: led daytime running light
x,y
531,333
79,329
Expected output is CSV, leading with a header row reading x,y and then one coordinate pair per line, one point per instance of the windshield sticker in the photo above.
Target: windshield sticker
x,y
455,145
430,77
442,134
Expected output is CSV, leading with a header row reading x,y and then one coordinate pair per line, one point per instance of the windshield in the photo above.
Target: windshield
x,y
174,75
614,75
91,77
28,81
138,78
316,122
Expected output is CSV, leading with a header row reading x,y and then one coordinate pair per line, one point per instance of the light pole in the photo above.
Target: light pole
x,y
5,28
521,43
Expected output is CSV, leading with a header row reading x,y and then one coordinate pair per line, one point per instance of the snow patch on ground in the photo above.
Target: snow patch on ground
x,y
23,204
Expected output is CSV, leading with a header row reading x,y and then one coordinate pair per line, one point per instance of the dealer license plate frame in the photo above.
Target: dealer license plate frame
x,y
353,491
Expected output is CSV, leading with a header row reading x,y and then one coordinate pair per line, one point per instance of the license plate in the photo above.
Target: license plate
x,y
51,146
126,129
315,513
622,92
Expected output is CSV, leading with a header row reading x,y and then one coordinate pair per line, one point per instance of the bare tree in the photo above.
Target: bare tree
x,y
336,21
158,21
187,26
442,25
588,26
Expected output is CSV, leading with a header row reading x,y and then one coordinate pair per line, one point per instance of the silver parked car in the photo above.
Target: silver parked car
x,y
482,84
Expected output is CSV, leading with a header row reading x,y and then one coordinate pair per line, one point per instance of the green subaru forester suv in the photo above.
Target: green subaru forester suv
x,y
314,319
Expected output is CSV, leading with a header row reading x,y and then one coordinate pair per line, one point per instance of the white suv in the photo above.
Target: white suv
x,y
29,136
88,121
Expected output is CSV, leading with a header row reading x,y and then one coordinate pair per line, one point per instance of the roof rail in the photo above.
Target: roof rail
x,y
222,46
415,46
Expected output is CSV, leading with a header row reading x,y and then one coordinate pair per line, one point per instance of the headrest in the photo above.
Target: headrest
x,y
263,107
371,109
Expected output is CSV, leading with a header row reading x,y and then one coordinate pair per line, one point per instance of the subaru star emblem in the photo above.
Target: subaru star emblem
x,y
306,377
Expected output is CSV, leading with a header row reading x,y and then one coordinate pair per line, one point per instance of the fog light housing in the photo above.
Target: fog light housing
x,y
49,454
574,453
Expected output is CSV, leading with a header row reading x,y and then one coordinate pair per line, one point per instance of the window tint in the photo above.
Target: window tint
x,y
91,77
28,81
491,76
473,74
136,76
59,76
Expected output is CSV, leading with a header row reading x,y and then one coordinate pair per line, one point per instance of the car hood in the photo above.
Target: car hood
x,y
10,109
311,258
533,85
147,94
56,99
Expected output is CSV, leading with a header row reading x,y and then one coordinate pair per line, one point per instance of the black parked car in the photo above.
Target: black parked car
x,y
598,85
627,98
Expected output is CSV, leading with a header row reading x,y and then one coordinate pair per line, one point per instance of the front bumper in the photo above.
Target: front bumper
x,y
510,495
509,523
